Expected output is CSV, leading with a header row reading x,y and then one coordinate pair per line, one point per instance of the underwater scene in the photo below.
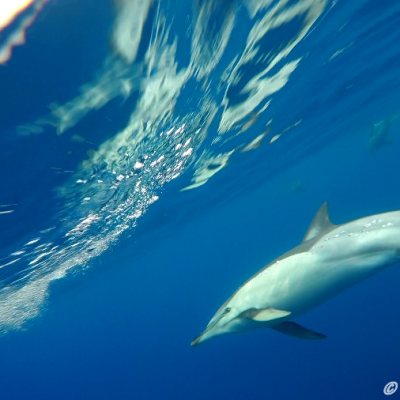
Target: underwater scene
x,y
199,199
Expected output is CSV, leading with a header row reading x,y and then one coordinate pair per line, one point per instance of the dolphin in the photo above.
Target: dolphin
x,y
297,186
331,259
379,135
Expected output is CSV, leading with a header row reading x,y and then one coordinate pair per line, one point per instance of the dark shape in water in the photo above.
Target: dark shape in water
x,y
379,135
297,187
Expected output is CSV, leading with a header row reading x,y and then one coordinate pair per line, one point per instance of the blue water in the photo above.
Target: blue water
x,y
137,194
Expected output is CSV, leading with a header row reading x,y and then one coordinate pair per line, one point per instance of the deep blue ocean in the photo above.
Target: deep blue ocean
x,y
156,154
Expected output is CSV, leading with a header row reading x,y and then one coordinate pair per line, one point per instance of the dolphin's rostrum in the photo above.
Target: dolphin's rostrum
x,y
330,259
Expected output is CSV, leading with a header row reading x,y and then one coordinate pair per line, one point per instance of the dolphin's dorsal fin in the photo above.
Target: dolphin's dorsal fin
x,y
320,224
297,331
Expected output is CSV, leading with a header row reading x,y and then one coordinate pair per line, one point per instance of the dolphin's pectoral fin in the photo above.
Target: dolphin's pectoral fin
x,y
296,330
267,314
320,224
388,142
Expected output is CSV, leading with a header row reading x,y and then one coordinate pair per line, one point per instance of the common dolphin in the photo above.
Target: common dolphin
x,y
379,134
331,259
297,186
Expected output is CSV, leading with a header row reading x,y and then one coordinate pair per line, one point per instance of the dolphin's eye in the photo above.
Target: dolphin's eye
x,y
228,309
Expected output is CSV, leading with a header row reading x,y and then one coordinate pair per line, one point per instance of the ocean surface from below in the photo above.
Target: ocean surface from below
x,y
155,155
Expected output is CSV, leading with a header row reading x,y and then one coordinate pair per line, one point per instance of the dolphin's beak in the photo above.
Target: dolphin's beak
x,y
206,335
203,337
198,340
